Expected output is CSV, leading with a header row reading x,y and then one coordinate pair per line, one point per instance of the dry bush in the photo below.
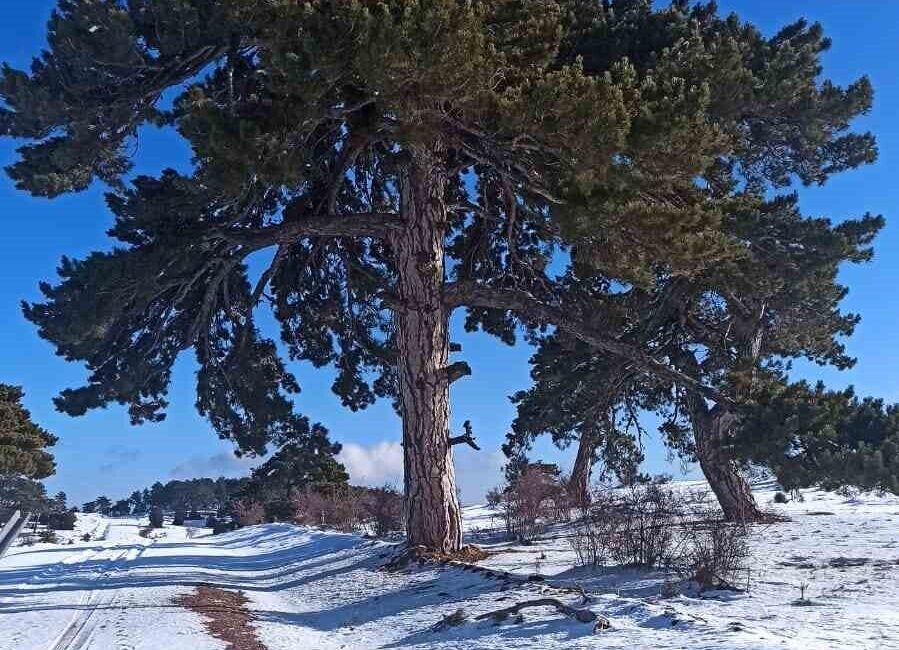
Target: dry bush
x,y
494,497
650,526
590,543
248,512
383,508
350,509
561,502
537,497
335,507
716,552
638,527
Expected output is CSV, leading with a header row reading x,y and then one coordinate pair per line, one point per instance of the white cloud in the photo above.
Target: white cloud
x,y
380,463
373,464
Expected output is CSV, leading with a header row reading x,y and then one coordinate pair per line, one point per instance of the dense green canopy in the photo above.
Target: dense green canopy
x,y
809,435
601,118
23,444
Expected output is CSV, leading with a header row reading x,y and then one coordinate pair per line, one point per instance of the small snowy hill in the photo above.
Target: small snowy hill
x,y
313,589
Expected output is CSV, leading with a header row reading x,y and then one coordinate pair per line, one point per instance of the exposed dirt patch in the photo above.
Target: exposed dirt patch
x,y
225,616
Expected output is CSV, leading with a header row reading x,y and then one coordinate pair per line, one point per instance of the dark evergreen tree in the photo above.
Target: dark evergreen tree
x,y
305,464
302,464
121,508
23,444
24,493
156,517
156,495
188,495
399,159
136,500
102,505
812,436
59,502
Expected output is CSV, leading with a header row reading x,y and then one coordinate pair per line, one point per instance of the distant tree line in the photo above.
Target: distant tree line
x,y
300,483
177,495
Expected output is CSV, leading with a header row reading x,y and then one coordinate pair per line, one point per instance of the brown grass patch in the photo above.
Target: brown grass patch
x,y
225,616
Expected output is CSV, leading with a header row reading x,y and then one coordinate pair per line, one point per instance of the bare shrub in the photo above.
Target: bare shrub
x,y
561,501
537,497
335,507
589,543
494,497
715,552
641,526
651,526
248,512
383,507
634,527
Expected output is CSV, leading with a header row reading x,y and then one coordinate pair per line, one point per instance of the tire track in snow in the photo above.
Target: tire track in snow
x,y
80,631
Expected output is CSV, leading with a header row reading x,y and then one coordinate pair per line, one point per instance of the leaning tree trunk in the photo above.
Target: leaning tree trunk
x,y
433,518
724,476
579,483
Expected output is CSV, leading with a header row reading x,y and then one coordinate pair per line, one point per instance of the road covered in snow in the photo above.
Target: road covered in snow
x,y
97,594
314,589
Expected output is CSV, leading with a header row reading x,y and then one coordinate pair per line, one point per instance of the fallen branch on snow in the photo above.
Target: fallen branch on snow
x,y
581,615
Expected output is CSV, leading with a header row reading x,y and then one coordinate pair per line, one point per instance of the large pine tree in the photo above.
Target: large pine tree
x,y
398,160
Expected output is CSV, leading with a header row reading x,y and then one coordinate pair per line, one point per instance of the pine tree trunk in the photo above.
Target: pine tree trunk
x,y
724,476
579,483
433,518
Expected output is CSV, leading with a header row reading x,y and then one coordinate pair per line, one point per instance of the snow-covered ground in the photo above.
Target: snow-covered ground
x,y
312,589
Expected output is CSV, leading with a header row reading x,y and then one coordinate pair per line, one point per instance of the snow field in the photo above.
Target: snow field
x,y
313,589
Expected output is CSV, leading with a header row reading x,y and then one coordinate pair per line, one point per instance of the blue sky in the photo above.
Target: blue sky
x,y
102,453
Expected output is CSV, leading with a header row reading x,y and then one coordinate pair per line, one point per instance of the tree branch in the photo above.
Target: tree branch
x,y
580,615
364,224
456,371
530,308
467,438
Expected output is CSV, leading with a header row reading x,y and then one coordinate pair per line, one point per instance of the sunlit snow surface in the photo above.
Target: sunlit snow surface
x,y
312,589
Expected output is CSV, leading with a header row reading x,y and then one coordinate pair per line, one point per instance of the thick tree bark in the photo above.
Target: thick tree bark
x,y
433,518
579,483
724,476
